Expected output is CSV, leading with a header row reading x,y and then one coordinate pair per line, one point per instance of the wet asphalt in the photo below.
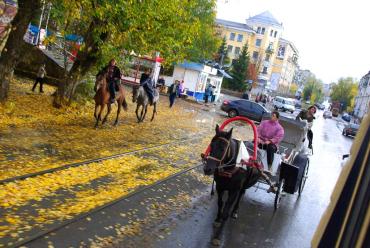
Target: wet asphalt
x,y
294,223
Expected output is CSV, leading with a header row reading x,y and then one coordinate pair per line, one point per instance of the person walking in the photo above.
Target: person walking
x,y
213,96
308,115
40,78
206,94
173,92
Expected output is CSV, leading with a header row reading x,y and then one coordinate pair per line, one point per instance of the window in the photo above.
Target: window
x,y
271,32
263,31
264,70
267,58
229,48
255,55
232,36
240,37
237,50
258,30
275,34
258,42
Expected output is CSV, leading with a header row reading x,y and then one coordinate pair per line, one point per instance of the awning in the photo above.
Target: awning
x,y
225,74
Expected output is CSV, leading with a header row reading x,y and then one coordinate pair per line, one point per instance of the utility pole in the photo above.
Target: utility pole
x,y
47,20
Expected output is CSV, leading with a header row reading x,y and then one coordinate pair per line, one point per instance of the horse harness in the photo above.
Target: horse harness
x,y
220,168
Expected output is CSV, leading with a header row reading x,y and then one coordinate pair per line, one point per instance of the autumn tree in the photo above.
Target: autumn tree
x,y
344,92
15,46
313,90
221,56
239,71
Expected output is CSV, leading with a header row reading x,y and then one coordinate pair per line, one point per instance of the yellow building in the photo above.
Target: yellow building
x,y
284,67
262,33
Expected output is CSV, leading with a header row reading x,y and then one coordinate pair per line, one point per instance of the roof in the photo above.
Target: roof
x,y
282,40
191,66
234,25
266,18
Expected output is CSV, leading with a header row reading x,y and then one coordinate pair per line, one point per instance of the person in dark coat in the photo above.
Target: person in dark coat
x,y
173,90
113,78
308,115
147,82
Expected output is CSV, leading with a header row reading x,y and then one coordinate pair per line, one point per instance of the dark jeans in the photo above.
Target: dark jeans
x,y
270,149
206,98
309,137
38,80
112,89
172,99
149,90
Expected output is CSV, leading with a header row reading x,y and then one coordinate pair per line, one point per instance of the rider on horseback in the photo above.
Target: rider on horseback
x,y
113,78
147,83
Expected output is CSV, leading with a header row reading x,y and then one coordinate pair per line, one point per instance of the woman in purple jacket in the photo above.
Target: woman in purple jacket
x,y
270,134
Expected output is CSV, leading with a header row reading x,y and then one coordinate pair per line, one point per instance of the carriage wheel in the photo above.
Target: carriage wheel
x,y
304,178
278,193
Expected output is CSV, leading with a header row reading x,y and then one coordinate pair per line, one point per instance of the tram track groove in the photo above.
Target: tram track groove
x,y
90,161
54,228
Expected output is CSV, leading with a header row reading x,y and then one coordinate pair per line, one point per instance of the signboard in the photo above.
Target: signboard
x,y
8,10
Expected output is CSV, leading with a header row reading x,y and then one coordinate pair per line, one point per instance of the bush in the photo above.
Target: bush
x,y
85,90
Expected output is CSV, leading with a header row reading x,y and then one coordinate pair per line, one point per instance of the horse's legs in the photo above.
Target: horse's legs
x,y
234,213
137,112
225,215
142,113
96,111
217,221
118,111
154,111
99,115
145,110
106,115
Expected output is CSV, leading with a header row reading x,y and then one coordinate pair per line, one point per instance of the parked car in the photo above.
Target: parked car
x,y
249,109
298,104
327,114
285,104
350,129
346,117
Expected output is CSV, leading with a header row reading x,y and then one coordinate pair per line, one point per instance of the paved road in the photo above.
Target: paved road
x,y
180,213
294,223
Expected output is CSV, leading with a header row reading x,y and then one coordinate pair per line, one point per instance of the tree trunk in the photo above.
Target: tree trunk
x,y
85,59
14,47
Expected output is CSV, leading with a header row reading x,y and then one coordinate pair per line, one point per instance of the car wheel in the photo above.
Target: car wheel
x,y
232,113
291,112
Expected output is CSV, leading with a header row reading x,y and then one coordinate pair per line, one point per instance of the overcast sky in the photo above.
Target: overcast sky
x,y
332,36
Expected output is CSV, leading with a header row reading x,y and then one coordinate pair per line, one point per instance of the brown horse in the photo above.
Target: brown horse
x,y
102,97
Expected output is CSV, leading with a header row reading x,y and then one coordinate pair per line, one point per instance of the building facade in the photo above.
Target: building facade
x,y
362,100
285,66
275,59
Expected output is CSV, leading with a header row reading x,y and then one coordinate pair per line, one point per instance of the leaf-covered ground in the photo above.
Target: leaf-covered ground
x,y
35,136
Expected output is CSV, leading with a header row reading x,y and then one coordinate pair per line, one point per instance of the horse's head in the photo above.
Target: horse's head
x,y
100,81
220,151
135,93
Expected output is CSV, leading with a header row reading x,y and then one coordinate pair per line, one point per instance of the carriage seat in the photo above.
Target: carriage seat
x,y
262,156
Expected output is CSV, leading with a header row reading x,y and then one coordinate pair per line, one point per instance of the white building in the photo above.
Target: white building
x,y
362,100
196,77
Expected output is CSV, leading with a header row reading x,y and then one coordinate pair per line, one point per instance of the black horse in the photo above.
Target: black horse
x,y
221,162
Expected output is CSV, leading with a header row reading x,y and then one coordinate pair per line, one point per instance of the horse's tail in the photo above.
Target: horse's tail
x,y
124,104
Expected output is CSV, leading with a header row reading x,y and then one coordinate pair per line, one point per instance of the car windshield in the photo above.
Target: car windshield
x,y
289,102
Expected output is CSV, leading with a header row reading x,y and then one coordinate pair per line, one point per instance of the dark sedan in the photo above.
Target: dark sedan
x,y
249,109
350,130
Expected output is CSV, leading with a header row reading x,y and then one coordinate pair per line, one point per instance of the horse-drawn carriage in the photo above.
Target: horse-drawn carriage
x,y
291,163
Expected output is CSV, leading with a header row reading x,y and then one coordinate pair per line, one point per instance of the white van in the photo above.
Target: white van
x,y
285,104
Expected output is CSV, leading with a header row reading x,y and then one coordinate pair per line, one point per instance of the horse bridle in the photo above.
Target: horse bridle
x,y
227,151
